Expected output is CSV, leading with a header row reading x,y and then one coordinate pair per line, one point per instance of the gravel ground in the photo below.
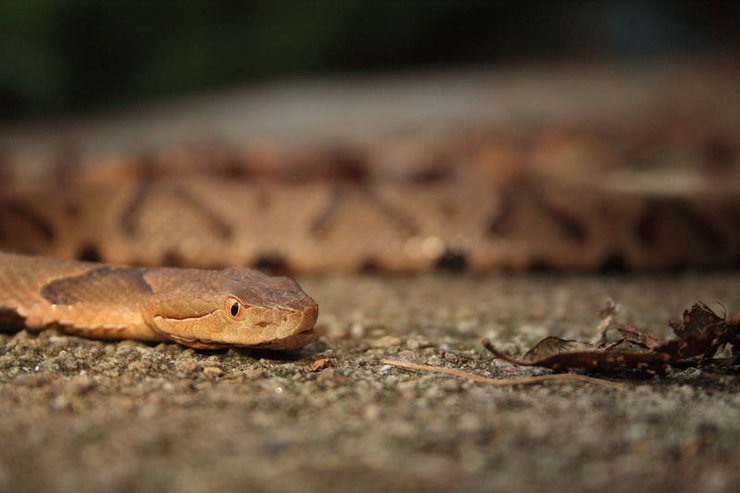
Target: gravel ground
x,y
80,415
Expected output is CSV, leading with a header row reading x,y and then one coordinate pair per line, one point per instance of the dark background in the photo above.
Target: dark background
x,y
69,56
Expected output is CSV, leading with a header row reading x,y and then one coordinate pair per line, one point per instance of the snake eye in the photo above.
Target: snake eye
x,y
235,308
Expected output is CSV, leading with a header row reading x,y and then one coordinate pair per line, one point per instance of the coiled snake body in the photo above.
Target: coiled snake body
x,y
508,198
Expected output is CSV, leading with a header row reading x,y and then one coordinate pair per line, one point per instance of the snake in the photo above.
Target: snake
x,y
212,222
162,245
205,309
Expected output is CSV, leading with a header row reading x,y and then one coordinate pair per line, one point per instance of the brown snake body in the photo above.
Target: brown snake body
x,y
197,308
394,227
541,194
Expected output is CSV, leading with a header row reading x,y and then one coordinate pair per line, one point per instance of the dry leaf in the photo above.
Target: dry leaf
x,y
700,335
319,364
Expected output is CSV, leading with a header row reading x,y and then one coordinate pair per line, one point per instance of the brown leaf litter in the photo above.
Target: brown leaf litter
x,y
700,335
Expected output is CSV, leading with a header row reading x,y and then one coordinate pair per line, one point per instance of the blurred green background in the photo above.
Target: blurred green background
x,y
69,56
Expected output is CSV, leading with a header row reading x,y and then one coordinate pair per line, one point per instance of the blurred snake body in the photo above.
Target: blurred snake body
x,y
212,222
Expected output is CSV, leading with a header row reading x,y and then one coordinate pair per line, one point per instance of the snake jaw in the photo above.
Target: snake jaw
x,y
291,342
197,343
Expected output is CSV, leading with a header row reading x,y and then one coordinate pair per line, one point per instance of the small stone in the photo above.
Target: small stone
x,y
252,374
452,357
213,371
386,341
419,342
357,331
406,355
319,364
187,367
434,360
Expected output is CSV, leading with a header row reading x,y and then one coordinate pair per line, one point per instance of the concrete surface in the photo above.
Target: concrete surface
x,y
80,415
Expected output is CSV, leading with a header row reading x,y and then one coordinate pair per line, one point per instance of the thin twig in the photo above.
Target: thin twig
x,y
501,382
608,314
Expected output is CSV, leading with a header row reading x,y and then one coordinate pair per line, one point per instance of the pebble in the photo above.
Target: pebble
x,y
386,342
213,371
319,364
452,357
187,367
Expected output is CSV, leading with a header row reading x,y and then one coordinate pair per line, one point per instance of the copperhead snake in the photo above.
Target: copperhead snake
x,y
196,308
154,211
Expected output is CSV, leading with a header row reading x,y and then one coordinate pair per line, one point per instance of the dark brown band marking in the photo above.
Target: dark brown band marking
x,y
89,253
44,228
505,220
688,221
222,228
101,284
501,223
10,319
130,216
272,262
452,260
320,226
402,220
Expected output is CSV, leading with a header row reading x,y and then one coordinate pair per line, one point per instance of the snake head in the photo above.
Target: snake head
x,y
230,307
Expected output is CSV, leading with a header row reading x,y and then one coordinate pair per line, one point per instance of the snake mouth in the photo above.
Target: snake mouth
x,y
198,343
291,342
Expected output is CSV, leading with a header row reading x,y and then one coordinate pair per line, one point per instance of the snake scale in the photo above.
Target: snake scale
x,y
194,218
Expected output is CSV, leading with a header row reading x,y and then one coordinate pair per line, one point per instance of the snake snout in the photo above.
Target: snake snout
x,y
296,329
309,315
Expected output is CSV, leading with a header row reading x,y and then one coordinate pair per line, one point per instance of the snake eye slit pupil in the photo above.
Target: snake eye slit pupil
x,y
235,309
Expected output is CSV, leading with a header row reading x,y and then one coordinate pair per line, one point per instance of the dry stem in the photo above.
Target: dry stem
x,y
502,382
